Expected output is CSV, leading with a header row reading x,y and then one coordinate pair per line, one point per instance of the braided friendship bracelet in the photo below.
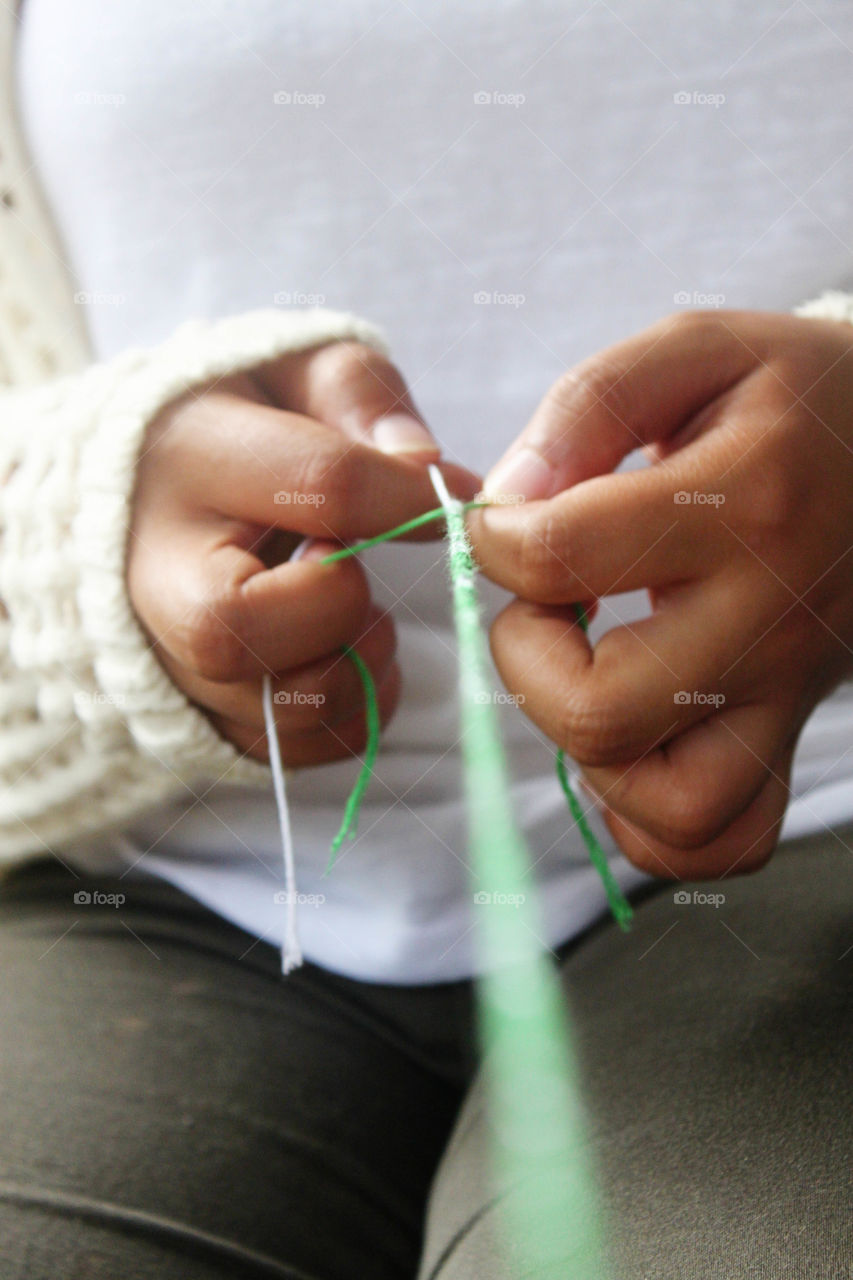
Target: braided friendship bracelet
x,y
543,1178
619,906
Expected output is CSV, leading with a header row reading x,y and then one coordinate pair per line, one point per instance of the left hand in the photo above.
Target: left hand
x,y
684,723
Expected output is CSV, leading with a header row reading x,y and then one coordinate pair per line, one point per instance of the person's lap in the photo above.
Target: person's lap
x,y
716,1043
171,1107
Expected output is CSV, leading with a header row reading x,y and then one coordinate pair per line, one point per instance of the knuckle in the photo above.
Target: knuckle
x,y
542,571
690,820
773,505
303,702
595,386
593,732
371,381
353,364
340,701
355,583
641,855
338,476
695,323
208,637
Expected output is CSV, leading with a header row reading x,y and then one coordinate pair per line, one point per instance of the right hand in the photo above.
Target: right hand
x,y
207,559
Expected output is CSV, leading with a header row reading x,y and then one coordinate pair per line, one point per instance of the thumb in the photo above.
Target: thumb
x,y
641,390
353,387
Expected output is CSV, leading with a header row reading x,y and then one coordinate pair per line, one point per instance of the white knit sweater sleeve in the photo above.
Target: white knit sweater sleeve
x,y
832,304
92,730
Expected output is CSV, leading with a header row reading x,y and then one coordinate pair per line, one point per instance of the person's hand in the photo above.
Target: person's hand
x,y
684,723
324,444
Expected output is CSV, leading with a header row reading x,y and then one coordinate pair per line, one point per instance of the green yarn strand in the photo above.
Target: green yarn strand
x,y
349,824
619,905
545,1183
437,514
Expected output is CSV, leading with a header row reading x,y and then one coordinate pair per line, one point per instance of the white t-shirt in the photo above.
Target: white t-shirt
x,y
505,187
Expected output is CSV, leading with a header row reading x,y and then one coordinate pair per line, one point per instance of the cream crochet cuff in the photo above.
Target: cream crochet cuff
x,y
92,730
831,305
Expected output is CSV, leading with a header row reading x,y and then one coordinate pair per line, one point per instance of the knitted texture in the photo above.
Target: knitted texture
x,y
92,729
831,305
42,331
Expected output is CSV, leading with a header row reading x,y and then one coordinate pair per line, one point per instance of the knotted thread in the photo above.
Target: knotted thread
x,y
618,903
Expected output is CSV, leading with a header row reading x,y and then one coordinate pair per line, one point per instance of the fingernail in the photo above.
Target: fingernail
x,y
524,474
301,550
401,433
313,549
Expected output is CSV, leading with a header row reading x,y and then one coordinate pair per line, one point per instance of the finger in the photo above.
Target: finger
x,y
321,746
688,792
638,391
611,534
325,692
641,685
353,387
276,469
745,846
225,616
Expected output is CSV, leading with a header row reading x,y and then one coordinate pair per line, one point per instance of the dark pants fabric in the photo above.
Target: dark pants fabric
x,y
716,1048
171,1107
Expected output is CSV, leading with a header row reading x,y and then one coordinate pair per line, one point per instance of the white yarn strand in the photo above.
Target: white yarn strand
x,y
291,951
445,497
